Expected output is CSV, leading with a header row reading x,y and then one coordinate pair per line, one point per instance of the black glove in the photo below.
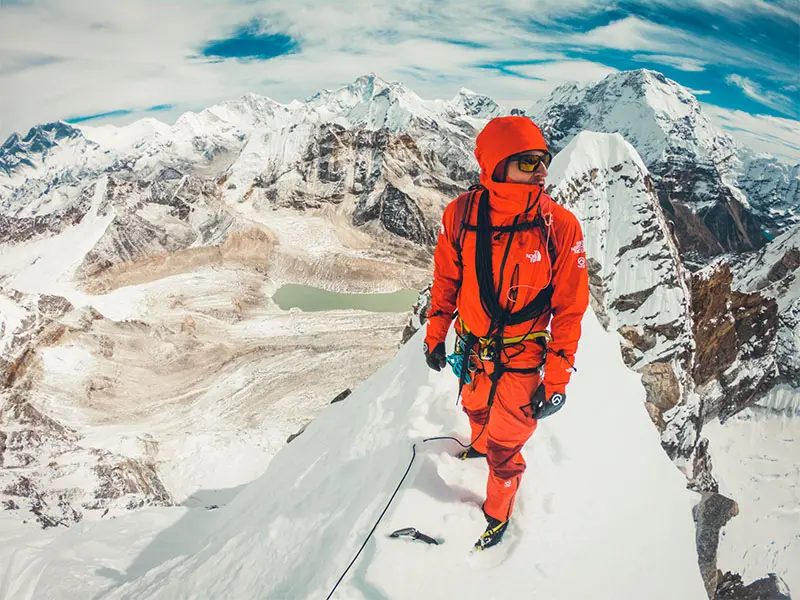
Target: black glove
x,y
544,407
435,358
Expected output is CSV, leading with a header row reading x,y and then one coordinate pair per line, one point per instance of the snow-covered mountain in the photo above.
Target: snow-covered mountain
x,y
363,146
157,249
717,196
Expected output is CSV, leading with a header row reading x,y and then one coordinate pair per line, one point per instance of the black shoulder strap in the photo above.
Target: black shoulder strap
x,y
465,218
490,299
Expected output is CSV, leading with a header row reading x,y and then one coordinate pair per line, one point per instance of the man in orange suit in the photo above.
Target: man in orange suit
x,y
510,263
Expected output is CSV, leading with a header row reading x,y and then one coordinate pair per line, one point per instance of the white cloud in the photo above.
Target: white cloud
x,y
738,10
699,92
682,63
636,34
632,33
562,71
93,56
762,133
756,92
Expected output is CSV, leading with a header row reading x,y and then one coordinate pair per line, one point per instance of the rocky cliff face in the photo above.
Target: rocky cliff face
x,y
50,470
735,333
773,275
46,468
708,344
172,212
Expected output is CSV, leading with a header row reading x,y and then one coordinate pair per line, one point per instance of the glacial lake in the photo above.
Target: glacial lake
x,y
311,299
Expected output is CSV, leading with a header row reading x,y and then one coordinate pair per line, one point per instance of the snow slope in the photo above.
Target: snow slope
x,y
602,511
755,461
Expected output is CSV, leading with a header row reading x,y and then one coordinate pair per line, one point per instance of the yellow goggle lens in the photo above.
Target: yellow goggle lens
x,y
528,164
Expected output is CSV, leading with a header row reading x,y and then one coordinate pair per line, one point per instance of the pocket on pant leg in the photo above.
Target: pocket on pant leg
x,y
475,396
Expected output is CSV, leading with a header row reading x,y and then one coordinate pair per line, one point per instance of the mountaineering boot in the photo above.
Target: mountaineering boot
x,y
470,453
493,534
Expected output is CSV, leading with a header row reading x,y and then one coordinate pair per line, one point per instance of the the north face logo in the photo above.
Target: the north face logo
x,y
534,256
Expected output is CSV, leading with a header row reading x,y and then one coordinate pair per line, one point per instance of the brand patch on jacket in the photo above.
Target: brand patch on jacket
x,y
581,262
579,247
534,256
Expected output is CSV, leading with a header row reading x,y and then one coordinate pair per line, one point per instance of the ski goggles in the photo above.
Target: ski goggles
x,y
528,163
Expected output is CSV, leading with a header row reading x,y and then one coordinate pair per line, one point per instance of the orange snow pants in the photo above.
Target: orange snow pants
x,y
501,431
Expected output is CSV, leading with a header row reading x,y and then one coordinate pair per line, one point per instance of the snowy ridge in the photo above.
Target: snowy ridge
x,y
293,531
638,287
372,151
372,103
602,179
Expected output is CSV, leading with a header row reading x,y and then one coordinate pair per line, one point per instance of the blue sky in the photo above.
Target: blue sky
x,y
92,61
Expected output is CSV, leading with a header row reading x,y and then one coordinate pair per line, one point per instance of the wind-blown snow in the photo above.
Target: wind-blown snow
x,y
602,512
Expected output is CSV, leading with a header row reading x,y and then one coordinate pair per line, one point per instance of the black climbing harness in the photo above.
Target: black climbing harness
x,y
500,317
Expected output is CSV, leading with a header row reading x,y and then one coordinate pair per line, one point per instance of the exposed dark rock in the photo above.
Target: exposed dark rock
x,y
37,442
714,328
23,229
639,338
341,396
703,479
671,331
737,229
295,435
787,264
48,514
731,587
22,419
731,326
712,512
661,384
724,226
128,477
632,301
398,214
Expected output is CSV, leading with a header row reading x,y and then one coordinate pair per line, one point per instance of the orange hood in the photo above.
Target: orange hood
x,y
499,139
